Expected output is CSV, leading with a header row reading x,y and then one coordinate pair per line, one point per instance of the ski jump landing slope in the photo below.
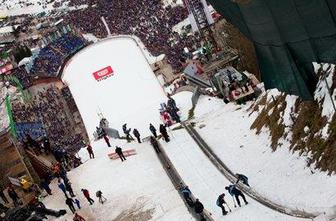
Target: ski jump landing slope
x,y
113,78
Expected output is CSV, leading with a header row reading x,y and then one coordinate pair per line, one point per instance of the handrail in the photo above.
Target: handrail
x,y
177,181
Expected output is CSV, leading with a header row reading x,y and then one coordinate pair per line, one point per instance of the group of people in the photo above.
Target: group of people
x,y
51,57
48,107
149,20
64,184
169,112
233,191
13,195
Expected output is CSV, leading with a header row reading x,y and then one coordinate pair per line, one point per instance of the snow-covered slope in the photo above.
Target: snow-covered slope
x,y
130,94
139,183
207,183
282,176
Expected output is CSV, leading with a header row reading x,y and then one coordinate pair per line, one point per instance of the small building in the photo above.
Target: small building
x,y
7,34
163,70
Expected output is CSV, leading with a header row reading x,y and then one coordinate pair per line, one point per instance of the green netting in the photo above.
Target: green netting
x,y
288,36
24,93
10,115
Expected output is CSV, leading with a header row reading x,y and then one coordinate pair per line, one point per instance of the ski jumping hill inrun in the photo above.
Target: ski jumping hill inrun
x,y
113,78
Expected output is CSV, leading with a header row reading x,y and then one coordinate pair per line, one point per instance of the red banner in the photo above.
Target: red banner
x,y
6,68
103,73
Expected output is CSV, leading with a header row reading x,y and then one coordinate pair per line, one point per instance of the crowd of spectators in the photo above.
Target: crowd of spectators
x,y
52,56
48,107
149,20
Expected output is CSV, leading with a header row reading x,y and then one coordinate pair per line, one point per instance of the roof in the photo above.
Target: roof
x,y
6,29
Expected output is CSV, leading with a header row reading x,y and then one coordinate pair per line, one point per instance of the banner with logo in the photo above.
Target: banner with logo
x,y
103,73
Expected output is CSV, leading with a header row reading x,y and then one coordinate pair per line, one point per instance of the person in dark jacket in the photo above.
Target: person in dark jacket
x,y
220,202
164,132
2,195
137,135
100,196
32,142
155,144
172,112
13,195
120,153
68,187
90,151
45,186
107,140
198,207
70,202
153,130
171,103
187,195
127,132
87,196
243,179
234,192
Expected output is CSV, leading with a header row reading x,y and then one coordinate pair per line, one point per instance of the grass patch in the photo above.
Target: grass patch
x,y
180,127
191,112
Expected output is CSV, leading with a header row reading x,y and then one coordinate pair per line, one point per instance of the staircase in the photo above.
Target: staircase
x,y
197,9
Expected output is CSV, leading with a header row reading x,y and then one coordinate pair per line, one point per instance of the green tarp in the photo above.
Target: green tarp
x,y
288,36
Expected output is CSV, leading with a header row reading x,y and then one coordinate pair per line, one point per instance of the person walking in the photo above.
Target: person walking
x,y
45,185
242,178
155,144
199,208
78,204
220,202
234,192
86,193
107,140
187,195
70,202
137,134
2,195
90,151
100,197
62,187
153,130
120,153
78,218
68,188
164,133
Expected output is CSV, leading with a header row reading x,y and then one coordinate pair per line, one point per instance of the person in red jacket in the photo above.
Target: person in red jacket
x,y
78,217
87,196
90,151
107,140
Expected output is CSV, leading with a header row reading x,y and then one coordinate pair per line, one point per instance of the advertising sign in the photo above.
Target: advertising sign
x,y
103,73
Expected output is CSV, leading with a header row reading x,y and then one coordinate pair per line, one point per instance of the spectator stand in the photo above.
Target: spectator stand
x,y
34,129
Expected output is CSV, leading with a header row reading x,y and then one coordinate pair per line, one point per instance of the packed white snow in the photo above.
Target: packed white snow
x,y
140,182
207,183
281,176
